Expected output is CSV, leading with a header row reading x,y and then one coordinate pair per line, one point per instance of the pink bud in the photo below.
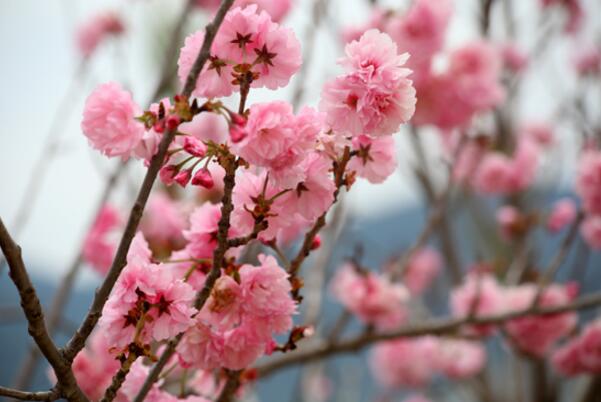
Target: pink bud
x,y
203,178
183,177
316,243
237,133
158,127
195,147
237,119
167,174
172,122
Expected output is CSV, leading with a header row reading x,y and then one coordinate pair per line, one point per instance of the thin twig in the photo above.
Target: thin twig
x,y
303,253
51,395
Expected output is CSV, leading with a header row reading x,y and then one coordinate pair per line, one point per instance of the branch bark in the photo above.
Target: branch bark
x,y
51,395
35,318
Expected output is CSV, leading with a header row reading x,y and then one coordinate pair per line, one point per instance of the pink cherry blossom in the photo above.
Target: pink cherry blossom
x,y
278,140
470,83
99,246
591,231
215,78
581,354
405,362
133,383
202,234
533,334
421,31
499,174
245,38
539,132
372,297
201,347
587,60
94,367
277,9
563,213
423,267
108,121
314,195
588,181
514,58
163,221
376,158
266,295
461,359
479,294
150,292
207,127
96,29
375,97
238,320
249,188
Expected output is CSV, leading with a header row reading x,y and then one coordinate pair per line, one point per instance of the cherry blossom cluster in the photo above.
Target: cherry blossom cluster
x,y
285,170
413,363
482,295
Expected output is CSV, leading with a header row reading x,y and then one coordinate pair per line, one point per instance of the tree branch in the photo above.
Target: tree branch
x,y
434,327
51,395
35,317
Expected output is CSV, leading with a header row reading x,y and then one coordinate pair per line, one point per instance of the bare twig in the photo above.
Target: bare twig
x,y
440,222
434,327
51,395
35,318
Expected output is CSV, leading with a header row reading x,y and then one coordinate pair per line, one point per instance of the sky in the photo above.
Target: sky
x,y
38,64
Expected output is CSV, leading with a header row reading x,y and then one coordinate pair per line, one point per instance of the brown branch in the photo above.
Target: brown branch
x,y
305,250
26,370
77,342
230,388
210,32
433,327
51,395
35,318
550,272
119,378
218,256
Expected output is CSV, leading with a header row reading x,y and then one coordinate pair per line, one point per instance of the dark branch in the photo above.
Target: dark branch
x,y
35,317
434,327
51,395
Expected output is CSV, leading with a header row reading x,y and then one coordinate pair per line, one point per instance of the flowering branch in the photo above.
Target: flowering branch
x,y
435,327
303,253
78,340
35,317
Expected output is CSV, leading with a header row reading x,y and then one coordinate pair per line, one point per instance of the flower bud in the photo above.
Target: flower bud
x,y
195,147
171,122
183,177
237,133
203,178
316,243
167,174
